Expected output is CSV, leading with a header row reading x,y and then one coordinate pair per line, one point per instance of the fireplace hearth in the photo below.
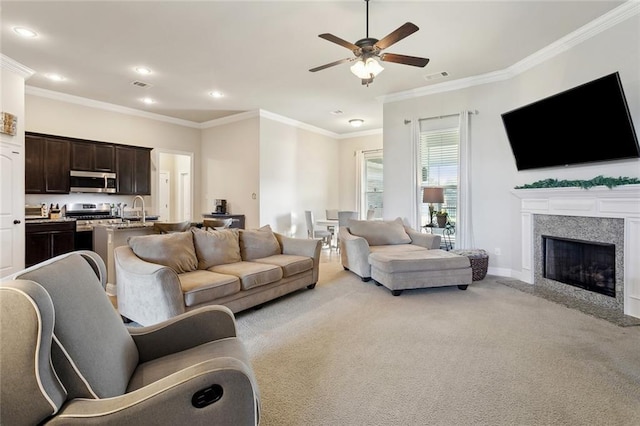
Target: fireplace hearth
x,y
584,264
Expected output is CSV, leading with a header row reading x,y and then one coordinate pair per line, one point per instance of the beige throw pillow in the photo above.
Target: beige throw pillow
x,y
174,250
258,243
216,247
378,232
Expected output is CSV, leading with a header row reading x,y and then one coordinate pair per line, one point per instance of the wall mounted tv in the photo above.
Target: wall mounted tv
x,y
585,124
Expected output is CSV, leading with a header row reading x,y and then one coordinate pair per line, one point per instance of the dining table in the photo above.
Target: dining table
x,y
332,226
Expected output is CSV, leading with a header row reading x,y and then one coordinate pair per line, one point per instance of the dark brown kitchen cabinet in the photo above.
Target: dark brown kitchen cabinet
x,y
46,165
133,170
45,240
92,156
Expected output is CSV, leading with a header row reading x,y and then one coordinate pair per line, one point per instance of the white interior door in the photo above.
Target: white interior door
x,y
11,210
164,195
185,196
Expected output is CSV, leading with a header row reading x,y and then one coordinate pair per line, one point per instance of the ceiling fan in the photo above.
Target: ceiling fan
x,y
366,51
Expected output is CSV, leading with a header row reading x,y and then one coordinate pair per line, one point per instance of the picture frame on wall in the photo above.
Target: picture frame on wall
x,y
8,123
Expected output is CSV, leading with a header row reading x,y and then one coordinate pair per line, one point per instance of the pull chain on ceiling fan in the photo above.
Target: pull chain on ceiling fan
x,y
366,51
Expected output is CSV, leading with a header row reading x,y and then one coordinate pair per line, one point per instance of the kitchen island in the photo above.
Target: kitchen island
x,y
107,237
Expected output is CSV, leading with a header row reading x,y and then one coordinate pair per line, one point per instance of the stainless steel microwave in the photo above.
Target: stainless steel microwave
x,y
81,181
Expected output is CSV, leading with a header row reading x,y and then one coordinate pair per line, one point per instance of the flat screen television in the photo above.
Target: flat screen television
x,y
585,124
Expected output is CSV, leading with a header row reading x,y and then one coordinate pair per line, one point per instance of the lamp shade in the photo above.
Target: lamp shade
x,y
433,195
366,69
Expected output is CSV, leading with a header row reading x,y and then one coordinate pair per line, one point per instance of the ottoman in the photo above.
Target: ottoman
x,y
479,261
399,271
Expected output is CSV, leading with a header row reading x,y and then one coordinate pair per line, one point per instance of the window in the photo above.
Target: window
x,y
372,184
439,152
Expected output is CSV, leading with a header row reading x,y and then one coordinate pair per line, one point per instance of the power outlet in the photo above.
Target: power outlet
x,y
497,251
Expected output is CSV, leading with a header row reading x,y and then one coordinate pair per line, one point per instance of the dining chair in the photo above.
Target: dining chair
x,y
370,214
217,224
312,232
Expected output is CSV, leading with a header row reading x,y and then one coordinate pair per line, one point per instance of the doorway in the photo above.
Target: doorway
x,y
174,202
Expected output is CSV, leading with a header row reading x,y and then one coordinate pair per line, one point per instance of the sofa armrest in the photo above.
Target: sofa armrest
x,y
302,247
430,241
354,253
168,400
185,331
299,246
147,293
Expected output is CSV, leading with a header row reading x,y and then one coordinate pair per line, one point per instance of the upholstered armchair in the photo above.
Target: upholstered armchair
x,y
67,357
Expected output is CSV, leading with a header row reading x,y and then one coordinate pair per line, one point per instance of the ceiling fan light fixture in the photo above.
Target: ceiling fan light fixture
x,y
365,69
356,122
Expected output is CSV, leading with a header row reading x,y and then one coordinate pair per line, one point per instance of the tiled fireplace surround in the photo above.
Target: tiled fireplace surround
x,y
597,214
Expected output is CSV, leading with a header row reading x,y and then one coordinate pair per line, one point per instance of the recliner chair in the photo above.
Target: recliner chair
x,y
67,357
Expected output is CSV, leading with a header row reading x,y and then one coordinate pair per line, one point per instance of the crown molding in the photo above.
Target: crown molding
x,y
295,123
6,63
229,119
50,94
360,134
610,19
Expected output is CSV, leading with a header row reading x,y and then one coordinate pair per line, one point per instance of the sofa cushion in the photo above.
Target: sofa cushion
x,y
174,250
251,274
378,232
258,243
290,264
216,247
204,286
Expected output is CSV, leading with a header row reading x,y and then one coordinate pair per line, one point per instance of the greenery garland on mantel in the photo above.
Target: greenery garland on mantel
x,y
609,182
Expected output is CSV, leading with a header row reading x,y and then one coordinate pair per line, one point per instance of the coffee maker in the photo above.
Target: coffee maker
x,y
220,206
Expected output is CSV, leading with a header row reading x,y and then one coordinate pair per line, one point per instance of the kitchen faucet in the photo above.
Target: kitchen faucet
x,y
136,198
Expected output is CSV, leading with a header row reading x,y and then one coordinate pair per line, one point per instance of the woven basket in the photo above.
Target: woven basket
x,y
479,268
479,260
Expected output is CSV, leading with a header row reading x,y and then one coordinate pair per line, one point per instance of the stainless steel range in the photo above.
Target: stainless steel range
x,y
88,215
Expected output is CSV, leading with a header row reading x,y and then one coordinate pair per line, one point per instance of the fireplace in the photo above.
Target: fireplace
x,y
584,264
600,215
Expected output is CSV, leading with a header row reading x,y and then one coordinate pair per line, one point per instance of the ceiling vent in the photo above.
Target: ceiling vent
x,y
436,75
140,84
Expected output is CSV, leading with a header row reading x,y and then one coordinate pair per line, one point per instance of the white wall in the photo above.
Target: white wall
x,y
298,172
348,167
230,162
496,214
56,117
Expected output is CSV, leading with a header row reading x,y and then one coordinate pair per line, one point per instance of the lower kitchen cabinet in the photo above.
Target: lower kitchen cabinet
x,y
44,240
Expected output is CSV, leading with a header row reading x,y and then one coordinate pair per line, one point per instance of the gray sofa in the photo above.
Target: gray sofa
x,y
67,357
161,276
399,257
363,237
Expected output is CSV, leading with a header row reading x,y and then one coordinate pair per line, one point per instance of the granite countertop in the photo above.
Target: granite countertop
x,y
127,225
62,219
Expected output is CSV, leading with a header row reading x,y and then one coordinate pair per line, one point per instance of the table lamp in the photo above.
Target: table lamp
x,y
432,195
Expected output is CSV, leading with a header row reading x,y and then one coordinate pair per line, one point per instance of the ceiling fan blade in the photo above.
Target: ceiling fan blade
x,y
403,31
404,59
341,61
338,40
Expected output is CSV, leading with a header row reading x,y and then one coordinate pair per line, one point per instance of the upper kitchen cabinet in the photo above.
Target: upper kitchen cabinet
x,y
92,156
133,170
47,163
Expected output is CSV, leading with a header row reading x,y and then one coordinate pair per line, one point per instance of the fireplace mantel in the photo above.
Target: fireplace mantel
x,y
618,202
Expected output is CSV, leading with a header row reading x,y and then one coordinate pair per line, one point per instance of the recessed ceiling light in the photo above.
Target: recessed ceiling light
x,y
25,32
148,101
356,122
143,70
216,94
55,77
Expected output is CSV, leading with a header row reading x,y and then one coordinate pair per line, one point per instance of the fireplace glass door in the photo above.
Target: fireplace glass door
x,y
585,264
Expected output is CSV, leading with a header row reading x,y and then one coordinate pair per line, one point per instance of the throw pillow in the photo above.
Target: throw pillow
x,y
258,243
216,247
378,232
174,250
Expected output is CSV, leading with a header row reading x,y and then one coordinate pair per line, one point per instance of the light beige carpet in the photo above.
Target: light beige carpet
x,y
349,353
